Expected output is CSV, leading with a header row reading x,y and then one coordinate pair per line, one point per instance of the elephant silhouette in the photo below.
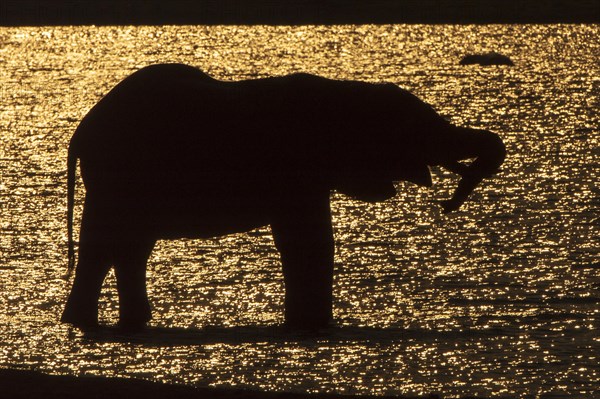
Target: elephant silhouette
x,y
171,152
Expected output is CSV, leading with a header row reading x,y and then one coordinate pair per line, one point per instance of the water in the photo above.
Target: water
x,y
501,298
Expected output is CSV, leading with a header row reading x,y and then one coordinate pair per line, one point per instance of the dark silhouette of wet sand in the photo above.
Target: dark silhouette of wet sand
x,y
23,384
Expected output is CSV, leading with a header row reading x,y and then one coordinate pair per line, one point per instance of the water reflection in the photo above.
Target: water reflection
x,y
501,298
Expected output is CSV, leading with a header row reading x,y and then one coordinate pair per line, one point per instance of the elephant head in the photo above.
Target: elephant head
x,y
404,136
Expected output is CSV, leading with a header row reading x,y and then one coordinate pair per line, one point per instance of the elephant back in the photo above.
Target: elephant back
x,y
174,126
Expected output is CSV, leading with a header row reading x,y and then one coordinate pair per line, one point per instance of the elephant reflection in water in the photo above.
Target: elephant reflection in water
x,y
171,152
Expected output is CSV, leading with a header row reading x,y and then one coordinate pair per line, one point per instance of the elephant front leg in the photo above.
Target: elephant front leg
x,y
304,236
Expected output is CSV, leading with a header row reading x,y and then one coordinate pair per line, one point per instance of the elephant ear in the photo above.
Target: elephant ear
x,y
418,174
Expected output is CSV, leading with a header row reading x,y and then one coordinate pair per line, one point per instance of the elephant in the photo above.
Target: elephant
x,y
171,152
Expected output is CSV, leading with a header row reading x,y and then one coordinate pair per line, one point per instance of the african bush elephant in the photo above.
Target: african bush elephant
x,y
171,152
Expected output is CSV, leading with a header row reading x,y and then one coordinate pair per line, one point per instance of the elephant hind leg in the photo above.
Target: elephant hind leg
x,y
131,256
93,265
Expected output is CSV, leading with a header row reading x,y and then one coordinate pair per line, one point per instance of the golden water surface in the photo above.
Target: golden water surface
x,y
500,298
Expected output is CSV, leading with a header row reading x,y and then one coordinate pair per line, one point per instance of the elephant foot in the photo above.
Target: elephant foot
x,y
130,322
81,313
307,313
131,326
84,323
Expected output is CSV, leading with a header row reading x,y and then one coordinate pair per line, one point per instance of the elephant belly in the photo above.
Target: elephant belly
x,y
177,214
204,221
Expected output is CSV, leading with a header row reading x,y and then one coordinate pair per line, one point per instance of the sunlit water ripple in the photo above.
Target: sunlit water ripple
x,y
501,298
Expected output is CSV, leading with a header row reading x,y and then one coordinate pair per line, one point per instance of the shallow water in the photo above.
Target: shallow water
x,y
499,299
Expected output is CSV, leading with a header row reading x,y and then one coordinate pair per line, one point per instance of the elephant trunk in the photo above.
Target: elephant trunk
x,y
489,152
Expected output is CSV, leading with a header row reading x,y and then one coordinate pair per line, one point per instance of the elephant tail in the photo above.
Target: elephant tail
x,y
71,170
